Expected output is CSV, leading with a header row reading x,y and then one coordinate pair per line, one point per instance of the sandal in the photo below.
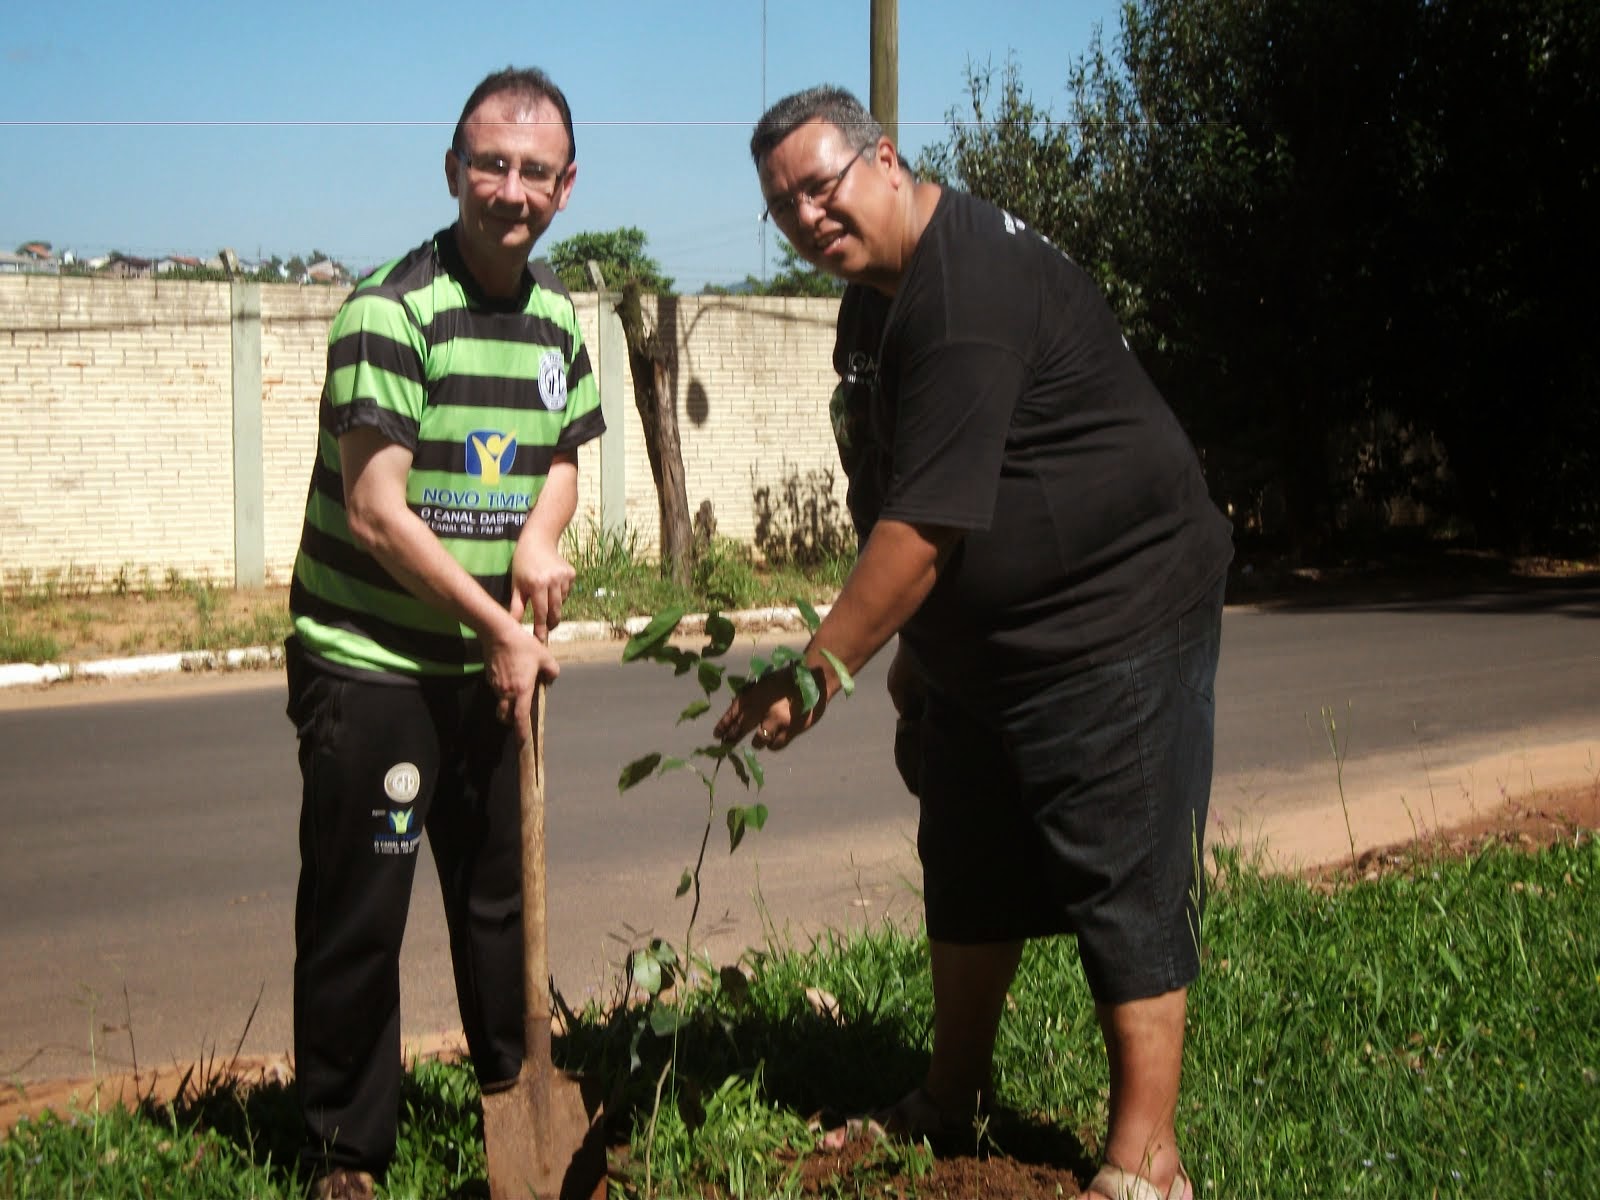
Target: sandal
x,y
1117,1184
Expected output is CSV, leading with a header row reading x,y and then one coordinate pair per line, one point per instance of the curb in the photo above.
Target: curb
x,y
754,621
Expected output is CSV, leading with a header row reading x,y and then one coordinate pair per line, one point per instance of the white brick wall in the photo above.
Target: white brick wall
x,y
116,448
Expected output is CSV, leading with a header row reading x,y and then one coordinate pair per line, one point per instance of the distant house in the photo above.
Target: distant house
x,y
326,271
178,262
29,263
123,266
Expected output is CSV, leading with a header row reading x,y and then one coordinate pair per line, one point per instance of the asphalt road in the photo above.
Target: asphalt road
x,y
150,849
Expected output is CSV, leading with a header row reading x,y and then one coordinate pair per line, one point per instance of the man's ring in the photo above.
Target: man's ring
x,y
761,737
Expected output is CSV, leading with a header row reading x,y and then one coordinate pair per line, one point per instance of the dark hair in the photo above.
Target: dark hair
x,y
826,103
529,83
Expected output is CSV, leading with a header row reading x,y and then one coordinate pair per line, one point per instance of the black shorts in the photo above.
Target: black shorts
x,y
1081,810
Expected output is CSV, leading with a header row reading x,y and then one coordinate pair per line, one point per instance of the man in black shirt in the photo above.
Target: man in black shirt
x,y
1036,529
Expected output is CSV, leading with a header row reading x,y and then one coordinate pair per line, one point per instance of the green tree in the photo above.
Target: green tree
x,y
1341,234
620,254
794,277
1505,372
628,272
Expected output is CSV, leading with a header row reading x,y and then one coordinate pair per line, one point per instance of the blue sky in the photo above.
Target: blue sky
x,y
278,127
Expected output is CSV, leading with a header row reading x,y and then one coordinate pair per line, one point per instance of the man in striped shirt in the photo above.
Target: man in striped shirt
x,y
429,575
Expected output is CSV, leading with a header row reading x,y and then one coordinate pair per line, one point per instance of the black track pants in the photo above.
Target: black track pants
x,y
380,763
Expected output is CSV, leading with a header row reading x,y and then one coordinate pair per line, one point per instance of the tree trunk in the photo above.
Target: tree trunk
x,y
653,359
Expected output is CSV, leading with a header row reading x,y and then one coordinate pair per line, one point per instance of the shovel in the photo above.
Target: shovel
x,y
543,1131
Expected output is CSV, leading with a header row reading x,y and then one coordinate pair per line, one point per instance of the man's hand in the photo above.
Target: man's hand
x,y
541,580
513,661
771,707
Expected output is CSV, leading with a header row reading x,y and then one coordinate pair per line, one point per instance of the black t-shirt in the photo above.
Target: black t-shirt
x,y
995,394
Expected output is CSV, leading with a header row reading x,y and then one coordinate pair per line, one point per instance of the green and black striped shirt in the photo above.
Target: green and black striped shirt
x,y
483,392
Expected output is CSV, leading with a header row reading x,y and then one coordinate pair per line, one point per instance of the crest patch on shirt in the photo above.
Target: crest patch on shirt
x,y
553,380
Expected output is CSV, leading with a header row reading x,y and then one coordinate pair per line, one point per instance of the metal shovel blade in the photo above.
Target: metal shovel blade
x,y
544,1139
543,1133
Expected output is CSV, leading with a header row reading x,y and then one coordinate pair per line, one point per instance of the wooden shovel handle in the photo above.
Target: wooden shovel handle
x,y
536,951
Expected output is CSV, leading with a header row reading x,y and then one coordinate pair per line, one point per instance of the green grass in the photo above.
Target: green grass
x,y
1434,1032
65,616
616,581
27,646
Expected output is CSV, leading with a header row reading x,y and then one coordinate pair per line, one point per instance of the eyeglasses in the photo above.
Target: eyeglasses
x,y
818,194
537,178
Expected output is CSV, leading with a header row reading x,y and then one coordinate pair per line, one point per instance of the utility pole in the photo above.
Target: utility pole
x,y
886,67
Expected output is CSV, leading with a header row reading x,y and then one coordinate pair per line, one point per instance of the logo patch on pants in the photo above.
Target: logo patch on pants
x,y
401,783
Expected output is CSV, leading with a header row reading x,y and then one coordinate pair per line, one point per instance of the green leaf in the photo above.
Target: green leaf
x,y
648,641
720,634
1454,963
807,613
646,972
753,761
741,819
693,711
682,661
664,1022
759,667
715,753
810,693
684,884
736,683
710,674
784,655
847,681
740,769
736,827
635,1061
637,771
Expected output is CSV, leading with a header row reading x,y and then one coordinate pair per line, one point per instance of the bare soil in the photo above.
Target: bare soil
x,y
92,627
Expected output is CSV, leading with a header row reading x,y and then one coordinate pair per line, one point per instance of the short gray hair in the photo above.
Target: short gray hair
x,y
826,103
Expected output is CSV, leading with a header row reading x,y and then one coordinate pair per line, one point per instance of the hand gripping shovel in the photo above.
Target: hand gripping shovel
x,y
542,1132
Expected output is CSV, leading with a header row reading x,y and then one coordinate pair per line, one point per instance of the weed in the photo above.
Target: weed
x,y
801,524
725,574
1330,729
27,647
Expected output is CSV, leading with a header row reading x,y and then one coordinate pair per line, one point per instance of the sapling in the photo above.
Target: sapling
x,y
654,644
656,966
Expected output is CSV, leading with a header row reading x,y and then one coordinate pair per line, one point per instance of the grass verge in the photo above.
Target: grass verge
x,y
1435,1031
74,616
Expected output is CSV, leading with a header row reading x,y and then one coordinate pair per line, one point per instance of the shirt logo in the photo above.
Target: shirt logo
x,y
490,454
400,820
850,405
553,380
